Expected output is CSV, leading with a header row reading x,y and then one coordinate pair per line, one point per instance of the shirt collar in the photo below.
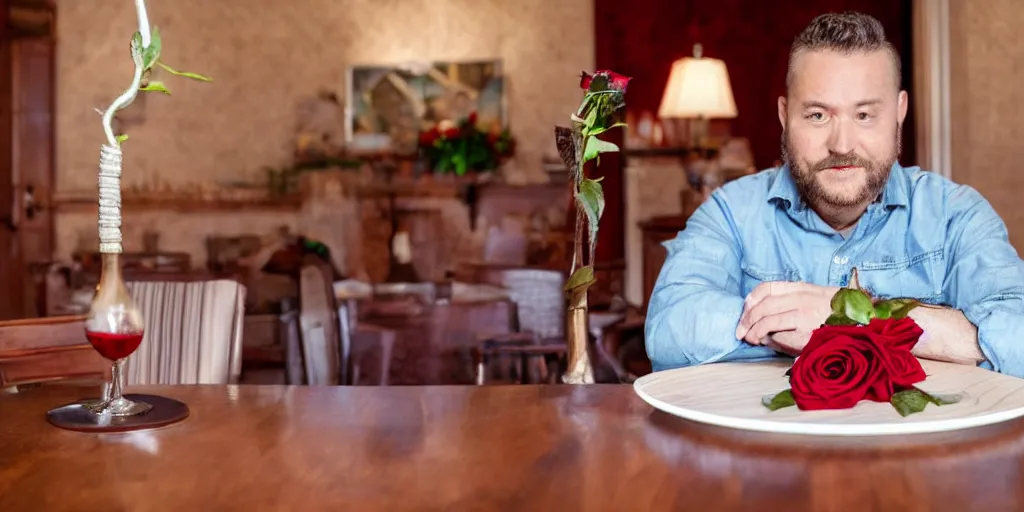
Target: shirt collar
x,y
784,189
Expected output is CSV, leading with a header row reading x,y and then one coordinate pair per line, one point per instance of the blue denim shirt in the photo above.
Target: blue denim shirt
x,y
926,238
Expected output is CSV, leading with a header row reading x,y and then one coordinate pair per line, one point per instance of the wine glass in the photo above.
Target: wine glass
x,y
114,328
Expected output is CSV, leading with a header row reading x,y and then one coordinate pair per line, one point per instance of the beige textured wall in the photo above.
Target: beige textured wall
x,y
267,55
986,73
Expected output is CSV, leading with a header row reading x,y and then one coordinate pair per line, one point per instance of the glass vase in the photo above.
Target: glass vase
x,y
115,328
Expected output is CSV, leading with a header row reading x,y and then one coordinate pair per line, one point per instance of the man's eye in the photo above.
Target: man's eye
x,y
863,116
816,116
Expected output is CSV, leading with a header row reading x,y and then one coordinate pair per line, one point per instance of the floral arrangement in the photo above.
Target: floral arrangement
x,y
862,352
604,99
462,147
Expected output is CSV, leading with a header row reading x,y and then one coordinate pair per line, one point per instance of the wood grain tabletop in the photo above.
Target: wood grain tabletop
x,y
479,448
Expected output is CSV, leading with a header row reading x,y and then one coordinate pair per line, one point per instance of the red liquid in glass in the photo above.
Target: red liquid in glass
x,y
114,346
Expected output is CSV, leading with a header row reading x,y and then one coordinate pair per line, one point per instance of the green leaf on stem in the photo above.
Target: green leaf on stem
x,y
839,319
156,86
914,400
151,53
853,304
778,401
186,74
584,276
595,147
895,308
909,402
590,197
601,129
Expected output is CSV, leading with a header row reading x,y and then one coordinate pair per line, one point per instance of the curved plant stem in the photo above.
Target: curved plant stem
x,y
128,96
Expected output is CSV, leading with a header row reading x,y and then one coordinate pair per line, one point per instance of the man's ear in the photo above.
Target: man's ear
x,y
782,111
901,106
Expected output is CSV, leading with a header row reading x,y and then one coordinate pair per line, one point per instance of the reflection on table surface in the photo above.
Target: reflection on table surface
x,y
479,448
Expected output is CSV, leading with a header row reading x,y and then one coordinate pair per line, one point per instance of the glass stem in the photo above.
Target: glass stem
x,y
117,381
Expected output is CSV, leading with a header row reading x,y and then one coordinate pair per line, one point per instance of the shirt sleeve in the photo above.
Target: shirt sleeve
x,y
696,302
985,280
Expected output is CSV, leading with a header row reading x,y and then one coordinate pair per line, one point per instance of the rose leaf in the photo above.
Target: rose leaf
x,y
583,277
883,310
839,319
899,308
778,401
941,399
853,304
909,401
596,146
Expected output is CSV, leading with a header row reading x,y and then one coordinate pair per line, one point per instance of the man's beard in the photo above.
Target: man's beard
x,y
816,195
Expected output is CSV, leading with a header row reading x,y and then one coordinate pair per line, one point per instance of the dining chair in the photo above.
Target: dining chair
x,y
193,332
325,351
537,347
47,350
336,348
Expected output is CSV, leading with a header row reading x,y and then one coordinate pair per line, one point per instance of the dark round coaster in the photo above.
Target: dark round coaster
x,y
77,417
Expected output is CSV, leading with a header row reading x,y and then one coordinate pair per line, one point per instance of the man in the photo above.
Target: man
x,y
754,271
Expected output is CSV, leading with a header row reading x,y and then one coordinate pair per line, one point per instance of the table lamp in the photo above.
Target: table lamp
x,y
698,89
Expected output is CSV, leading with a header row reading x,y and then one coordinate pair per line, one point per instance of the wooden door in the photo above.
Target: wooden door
x,y
27,50
10,283
32,91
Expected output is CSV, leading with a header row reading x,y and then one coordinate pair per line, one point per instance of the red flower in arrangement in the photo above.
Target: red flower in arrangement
x,y
861,352
463,146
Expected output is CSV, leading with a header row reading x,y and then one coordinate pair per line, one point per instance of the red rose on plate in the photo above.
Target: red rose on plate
x,y
844,364
902,333
840,366
900,336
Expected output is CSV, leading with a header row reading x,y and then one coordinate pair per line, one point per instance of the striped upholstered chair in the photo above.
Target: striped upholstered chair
x,y
193,332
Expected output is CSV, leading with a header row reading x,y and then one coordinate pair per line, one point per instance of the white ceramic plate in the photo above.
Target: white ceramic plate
x,y
729,395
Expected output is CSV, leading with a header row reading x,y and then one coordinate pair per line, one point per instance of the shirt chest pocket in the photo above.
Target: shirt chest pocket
x,y
754,275
919,276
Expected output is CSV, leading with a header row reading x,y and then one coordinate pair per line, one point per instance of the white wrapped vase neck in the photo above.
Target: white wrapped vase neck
x,y
110,199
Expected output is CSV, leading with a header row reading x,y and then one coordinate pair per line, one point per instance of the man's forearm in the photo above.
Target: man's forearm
x,y
948,336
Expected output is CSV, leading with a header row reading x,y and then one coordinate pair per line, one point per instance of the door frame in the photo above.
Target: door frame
x,y
932,86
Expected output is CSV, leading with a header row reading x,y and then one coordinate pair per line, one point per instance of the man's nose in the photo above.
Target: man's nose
x,y
841,139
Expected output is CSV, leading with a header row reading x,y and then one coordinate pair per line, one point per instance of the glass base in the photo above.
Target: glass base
x,y
79,417
120,407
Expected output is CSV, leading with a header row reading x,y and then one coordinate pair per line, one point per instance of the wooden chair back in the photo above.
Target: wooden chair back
x,y
193,332
324,349
48,349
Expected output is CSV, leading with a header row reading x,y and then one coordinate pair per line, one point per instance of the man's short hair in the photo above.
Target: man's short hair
x,y
846,33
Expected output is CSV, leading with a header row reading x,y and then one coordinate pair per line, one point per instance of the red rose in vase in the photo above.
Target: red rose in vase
x,y
613,81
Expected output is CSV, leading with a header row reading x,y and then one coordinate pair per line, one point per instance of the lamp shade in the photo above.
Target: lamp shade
x,y
698,87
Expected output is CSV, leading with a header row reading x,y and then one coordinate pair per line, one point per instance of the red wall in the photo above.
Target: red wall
x,y
641,38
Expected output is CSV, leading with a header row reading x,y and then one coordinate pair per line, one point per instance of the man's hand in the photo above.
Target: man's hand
x,y
782,315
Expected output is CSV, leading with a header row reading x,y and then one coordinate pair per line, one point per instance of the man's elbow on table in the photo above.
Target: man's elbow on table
x,y
1000,324
687,325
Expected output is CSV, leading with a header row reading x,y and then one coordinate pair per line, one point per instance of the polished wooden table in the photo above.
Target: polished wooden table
x,y
479,448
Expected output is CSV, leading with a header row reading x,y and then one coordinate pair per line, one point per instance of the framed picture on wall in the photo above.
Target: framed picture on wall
x,y
388,106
